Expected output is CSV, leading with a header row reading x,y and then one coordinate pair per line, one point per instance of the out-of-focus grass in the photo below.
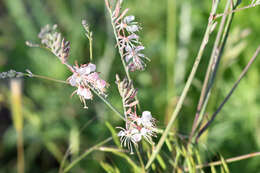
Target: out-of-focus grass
x,y
52,117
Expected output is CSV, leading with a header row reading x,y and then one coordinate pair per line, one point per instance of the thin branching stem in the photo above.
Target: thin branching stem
x,y
118,45
187,85
229,94
72,164
140,159
230,160
67,153
107,103
46,78
215,56
237,10
92,89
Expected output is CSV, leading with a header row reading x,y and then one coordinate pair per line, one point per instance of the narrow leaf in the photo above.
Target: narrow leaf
x,y
114,134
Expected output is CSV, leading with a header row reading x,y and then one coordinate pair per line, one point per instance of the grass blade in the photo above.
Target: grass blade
x,y
187,86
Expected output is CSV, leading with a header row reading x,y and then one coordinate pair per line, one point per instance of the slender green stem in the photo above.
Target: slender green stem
x,y
46,78
64,160
140,158
230,160
230,93
107,103
72,164
69,148
186,88
215,66
211,67
118,46
237,10
92,89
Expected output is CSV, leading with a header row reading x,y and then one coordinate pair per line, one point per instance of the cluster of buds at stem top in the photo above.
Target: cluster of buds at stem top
x,y
11,74
137,127
52,40
84,77
126,29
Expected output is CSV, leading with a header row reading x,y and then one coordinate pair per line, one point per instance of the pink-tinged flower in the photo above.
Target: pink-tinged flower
x,y
74,80
131,25
128,24
134,58
92,78
130,40
80,74
85,78
101,84
84,92
137,128
85,69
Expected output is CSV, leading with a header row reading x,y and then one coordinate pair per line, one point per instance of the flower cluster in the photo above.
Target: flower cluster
x,y
137,127
126,29
86,78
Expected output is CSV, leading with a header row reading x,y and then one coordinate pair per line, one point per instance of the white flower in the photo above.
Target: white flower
x,y
74,80
131,26
101,84
147,134
86,69
130,40
129,19
134,57
81,73
146,120
85,78
129,137
84,92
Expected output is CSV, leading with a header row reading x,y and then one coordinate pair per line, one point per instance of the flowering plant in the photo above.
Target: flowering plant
x,y
139,131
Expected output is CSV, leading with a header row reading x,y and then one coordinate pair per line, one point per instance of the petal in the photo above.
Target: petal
x,y
132,28
129,19
139,48
101,84
92,67
133,36
121,133
146,116
137,137
128,57
134,131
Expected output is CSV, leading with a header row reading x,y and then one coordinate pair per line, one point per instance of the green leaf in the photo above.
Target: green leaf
x,y
168,144
224,164
108,168
198,159
161,162
114,134
119,153
213,169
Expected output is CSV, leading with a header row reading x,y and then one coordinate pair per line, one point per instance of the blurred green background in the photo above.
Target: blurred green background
x,y
172,33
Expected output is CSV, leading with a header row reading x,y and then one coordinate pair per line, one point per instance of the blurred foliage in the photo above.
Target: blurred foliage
x,y
53,120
